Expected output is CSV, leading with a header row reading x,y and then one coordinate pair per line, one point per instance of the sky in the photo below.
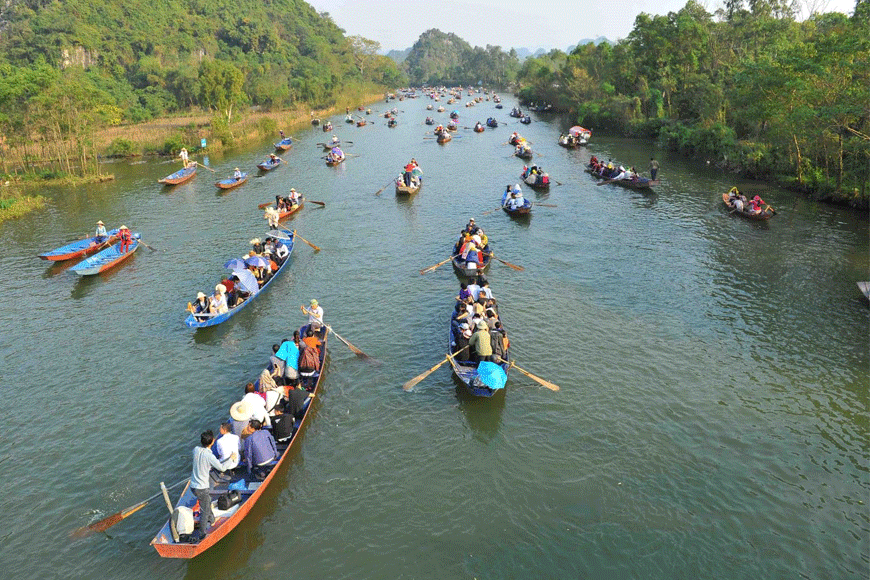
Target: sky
x,y
397,24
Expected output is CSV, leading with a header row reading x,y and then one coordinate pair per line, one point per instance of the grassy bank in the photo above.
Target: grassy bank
x,y
168,135
14,205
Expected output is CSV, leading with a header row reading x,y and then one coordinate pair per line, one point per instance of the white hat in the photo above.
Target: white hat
x,y
255,241
220,289
200,295
314,302
239,411
99,222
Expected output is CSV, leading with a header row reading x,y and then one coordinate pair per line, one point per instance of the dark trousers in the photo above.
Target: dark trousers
x,y
206,518
653,173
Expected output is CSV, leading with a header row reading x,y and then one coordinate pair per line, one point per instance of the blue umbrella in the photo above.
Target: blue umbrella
x,y
247,280
235,264
492,375
256,261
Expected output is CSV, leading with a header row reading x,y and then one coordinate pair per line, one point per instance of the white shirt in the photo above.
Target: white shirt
x,y
474,289
228,444
257,405
281,251
315,315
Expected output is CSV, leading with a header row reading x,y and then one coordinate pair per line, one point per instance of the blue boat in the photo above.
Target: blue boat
x,y
108,258
79,248
232,182
524,210
193,321
270,164
179,176
284,144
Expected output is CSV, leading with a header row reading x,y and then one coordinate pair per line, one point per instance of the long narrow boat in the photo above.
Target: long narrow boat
x,y
284,144
79,248
192,322
332,163
642,183
524,210
232,182
466,371
763,216
402,189
267,165
226,521
179,176
106,259
865,289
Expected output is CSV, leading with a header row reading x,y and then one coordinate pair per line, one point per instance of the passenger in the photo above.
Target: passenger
x,y
199,306
271,214
281,251
276,365
101,235
311,339
126,239
255,404
200,480
474,289
461,340
470,256
293,197
273,159
270,390
237,174
218,301
480,343
228,446
464,292
240,416
288,354
256,247
296,402
314,312
260,449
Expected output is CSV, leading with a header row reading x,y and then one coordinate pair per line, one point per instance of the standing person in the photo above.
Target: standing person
x,y
653,168
100,235
409,172
126,239
227,445
315,313
271,214
183,155
200,479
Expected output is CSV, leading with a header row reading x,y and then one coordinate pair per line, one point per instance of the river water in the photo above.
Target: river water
x,y
712,419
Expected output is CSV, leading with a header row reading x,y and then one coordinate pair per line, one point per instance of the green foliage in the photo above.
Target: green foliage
x,y
267,126
120,148
439,58
172,145
757,91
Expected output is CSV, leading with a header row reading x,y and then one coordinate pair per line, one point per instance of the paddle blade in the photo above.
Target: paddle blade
x,y
537,379
413,382
320,203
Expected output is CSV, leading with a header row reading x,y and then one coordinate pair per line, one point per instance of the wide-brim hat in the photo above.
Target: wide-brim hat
x,y
200,295
99,222
239,411
220,289
314,302
481,325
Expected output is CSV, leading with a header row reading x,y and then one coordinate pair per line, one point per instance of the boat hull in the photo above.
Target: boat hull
x,y
758,217
163,541
402,189
232,183
628,184
105,260
179,177
78,249
466,373
266,166
284,144
192,322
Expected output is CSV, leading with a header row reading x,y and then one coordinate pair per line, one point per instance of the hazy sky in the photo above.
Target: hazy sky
x,y
397,24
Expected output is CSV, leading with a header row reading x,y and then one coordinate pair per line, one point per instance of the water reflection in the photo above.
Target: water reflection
x,y
483,415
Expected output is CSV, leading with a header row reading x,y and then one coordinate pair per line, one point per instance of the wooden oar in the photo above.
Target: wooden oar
x,y
355,350
492,210
506,263
201,165
413,382
773,211
306,241
146,245
378,192
436,266
106,523
537,379
320,203
265,205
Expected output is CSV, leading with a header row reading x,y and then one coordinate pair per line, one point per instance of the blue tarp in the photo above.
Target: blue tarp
x,y
492,375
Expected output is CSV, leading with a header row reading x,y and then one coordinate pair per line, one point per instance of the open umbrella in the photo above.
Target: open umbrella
x,y
235,264
491,374
577,131
256,261
247,280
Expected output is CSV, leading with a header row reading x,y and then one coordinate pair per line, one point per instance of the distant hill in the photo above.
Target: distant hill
x,y
399,56
437,57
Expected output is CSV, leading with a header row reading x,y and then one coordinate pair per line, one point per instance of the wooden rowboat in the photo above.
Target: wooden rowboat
x,y
763,216
524,210
402,189
333,163
462,269
267,165
642,183
206,320
79,248
282,215
232,182
179,176
284,144
444,137
106,259
524,153
226,521
466,370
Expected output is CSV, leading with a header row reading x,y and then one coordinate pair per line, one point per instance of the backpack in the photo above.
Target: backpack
x,y
309,361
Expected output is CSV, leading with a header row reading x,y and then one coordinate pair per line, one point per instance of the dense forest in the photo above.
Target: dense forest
x,y
438,58
69,67
749,87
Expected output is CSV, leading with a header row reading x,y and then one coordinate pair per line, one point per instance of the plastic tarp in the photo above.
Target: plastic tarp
x,y
247,280
491,375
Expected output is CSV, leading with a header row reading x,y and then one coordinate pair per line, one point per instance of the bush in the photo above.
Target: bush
x,y
172,145
267,126
120,148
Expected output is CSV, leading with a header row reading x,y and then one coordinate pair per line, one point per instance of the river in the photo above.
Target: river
x,y
711,423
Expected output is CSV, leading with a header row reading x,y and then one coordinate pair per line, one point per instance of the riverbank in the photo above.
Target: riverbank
x,y
166,136
14,205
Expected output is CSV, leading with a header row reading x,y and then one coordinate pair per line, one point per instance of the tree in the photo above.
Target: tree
x,y
220,86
